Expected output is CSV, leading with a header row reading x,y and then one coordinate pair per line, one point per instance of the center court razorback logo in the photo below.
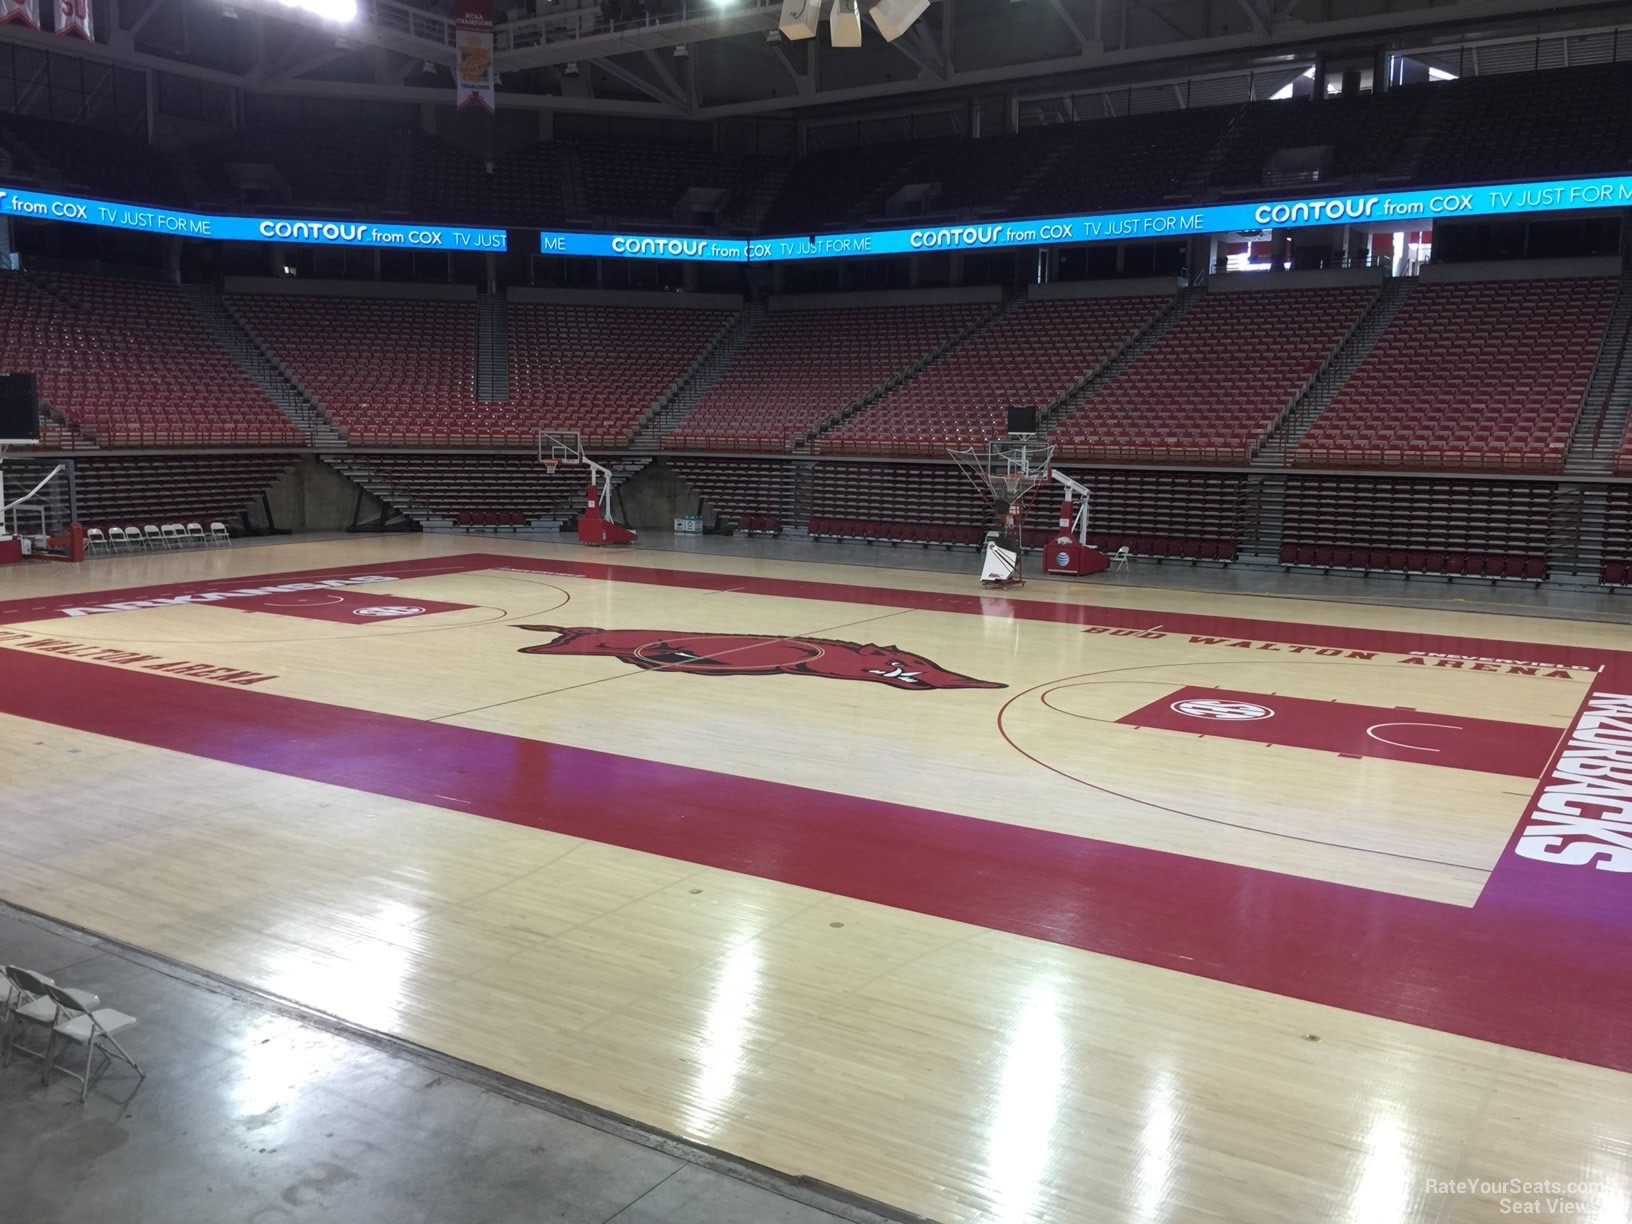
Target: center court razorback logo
x,y
746,654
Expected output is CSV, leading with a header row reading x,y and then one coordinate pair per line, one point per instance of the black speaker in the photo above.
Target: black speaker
x,y
19,408
1022,418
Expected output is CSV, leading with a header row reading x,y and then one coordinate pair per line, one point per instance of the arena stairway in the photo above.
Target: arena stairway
x,y
751,215
1194,185
236,339
1265,507
1429,120
804,493
1578,526
695,385
492,349
835,419
1306,409
1596,438
1093,380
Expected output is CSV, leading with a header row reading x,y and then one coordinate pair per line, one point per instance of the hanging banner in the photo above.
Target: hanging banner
x,y
473,41
74,17
25,11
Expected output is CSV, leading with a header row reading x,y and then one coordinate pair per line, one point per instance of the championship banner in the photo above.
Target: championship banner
x,y
473,41
25,11
74,17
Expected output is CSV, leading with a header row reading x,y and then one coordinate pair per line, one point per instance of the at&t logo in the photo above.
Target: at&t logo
x,y
388,610
1222,711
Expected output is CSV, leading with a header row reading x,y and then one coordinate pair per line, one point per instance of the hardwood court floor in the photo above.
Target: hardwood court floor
x,y
1093,902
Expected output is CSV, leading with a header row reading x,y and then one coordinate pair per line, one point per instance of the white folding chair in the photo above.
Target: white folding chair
x,y
92,1027
9,998
175,535
96,538
134,537
28,1001
1119,559
195,535
219,535
116,539
152,537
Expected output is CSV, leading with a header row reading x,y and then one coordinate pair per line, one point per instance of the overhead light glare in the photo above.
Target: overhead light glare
x,y
328,10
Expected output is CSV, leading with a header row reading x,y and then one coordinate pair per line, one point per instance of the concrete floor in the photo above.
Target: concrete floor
x,y
253,1112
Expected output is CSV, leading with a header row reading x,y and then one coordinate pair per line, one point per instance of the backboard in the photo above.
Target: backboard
x,y
1007,470
557,446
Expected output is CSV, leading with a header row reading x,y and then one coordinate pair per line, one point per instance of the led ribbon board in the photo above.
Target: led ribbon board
x,y
1378,210
643,246
76,210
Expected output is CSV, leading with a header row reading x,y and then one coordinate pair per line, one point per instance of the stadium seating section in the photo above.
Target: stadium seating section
x,y
402,372
475,490
129,363
116,164
1134,162
1165,514
334,166
393,371
1360,135
797,368
1422,526
835,188
520,189
1531,125
1210,388
752,493
1488,375
633,181
134,490
921,503
1032,354
1155,514
601,370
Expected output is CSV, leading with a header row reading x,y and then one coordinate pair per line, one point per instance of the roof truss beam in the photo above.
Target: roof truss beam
x,y
662,91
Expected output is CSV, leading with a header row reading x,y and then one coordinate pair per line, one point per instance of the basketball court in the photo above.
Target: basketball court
x,y
1077,901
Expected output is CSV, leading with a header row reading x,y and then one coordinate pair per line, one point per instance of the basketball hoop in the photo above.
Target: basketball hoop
x,y
558,446
550,465
1007,472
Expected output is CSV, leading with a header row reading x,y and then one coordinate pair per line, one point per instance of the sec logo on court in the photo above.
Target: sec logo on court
x,y
388,610
1222,711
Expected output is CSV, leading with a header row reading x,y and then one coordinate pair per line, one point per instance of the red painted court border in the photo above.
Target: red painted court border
x,y
1522,971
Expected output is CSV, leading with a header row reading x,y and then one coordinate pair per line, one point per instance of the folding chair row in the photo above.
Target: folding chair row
x,y
153,535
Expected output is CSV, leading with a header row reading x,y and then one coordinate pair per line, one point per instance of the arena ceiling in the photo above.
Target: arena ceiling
x,y
707,59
